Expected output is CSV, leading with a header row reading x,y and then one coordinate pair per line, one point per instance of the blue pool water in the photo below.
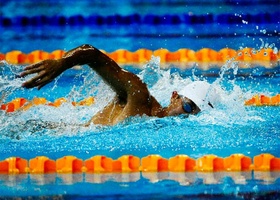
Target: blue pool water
x,y
231,128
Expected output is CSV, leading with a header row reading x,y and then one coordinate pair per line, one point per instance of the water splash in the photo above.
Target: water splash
x,y
229,128
9,83
151,73
65,120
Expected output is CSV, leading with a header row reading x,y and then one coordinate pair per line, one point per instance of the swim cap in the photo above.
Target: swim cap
x,y
201,93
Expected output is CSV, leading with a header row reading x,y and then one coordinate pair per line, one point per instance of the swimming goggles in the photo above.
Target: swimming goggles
x,y
188,105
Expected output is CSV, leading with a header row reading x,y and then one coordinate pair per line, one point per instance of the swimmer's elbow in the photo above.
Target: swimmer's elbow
x,y
89,50
87,47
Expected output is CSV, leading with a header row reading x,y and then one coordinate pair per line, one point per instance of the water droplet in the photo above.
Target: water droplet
x,y
275,50
271,46
266,45
263,31
262,43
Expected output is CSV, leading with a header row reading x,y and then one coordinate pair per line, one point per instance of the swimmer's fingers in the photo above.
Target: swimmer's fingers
x,y
36,81
46,71
32,69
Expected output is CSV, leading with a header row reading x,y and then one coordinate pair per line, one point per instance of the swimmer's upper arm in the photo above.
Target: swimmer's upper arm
x,y
124,83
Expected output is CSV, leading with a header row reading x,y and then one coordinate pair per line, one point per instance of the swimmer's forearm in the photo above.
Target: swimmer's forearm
x,y
107,68
48,70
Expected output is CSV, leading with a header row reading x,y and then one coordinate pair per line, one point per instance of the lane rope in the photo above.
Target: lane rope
x,y
150,163
23,104
267,57
137,19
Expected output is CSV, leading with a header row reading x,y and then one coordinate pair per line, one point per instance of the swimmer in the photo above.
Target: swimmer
x,y
132,95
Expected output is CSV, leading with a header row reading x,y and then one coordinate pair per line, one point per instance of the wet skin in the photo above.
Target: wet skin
x,y
132,95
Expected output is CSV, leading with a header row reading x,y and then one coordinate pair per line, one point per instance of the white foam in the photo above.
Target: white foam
x,y
230,111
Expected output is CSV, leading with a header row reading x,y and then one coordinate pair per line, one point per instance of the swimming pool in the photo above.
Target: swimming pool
x,y
230,129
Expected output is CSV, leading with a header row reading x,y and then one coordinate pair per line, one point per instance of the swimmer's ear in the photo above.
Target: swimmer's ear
x,y
174,94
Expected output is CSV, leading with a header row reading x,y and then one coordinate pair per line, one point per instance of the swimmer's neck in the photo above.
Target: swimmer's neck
x,y
166,111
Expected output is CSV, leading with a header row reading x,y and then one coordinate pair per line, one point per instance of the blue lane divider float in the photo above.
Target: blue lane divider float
x,y
148,19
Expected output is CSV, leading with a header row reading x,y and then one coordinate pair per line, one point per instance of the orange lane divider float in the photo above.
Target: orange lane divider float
x,y
130,163
18,57
24,104
263,100
99,164
205,55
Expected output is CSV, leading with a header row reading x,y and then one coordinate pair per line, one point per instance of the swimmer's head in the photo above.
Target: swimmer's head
x,y
180,104
201,93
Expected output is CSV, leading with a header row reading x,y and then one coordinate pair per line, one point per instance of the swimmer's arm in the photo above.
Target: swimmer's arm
x,y
121,81
49,69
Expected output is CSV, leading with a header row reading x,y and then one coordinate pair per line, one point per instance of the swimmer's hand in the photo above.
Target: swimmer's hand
x,y
46,71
